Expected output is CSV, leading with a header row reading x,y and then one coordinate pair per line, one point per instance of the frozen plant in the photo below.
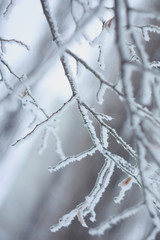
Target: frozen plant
x,y
142,163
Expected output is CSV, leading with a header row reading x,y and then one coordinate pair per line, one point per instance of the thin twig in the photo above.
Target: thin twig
x,y
7,8
14,41
46,120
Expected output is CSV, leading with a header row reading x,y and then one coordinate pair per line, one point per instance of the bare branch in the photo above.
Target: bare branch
x,y
14,41
53,115
7,8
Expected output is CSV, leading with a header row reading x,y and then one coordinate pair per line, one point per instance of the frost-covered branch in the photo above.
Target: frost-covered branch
x,y
122,19
87,207
136,119
140,164
72,159
100,117
95,73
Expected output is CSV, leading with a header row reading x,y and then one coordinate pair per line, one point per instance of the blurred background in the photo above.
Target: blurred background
x,y
31,198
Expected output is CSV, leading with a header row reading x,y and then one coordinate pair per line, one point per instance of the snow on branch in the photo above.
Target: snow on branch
x,y
147,191
148,29
95,73
89,126
100,117
87,207
65,221
137,120
74,158
52,24
122,164
100,77
141,104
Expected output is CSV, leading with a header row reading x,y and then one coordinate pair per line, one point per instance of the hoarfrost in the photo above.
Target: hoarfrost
x,y
65,221
72,159
89,125
147,29
104,137
133,53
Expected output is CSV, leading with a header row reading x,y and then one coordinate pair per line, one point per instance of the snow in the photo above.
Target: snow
x,y
86,207
103,180
104,137
65,221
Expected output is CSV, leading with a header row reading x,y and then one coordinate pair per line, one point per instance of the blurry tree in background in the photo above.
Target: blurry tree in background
x,y
80,86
